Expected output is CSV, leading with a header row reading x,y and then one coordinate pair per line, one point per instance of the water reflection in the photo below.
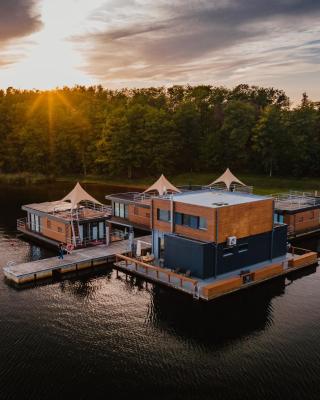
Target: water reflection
x,y
217,322
84,285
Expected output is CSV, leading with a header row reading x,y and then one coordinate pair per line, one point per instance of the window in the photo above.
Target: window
x,y
186,220
163,215
202,223
120,210
243,247
116,209
59,229
178,218
194,222
191,221
136,211
48,224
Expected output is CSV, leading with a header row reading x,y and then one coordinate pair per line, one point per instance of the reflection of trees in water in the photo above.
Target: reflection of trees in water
x,y
84,284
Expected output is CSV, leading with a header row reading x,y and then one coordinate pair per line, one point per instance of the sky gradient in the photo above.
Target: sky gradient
x,y
141,43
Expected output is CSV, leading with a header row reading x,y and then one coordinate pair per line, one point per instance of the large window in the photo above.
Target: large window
x,y
190,221
120,210
163,215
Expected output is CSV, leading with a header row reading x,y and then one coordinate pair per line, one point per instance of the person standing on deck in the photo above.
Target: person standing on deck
x,y
61,251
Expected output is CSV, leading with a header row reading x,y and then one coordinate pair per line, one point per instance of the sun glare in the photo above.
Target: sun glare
x,y
50,57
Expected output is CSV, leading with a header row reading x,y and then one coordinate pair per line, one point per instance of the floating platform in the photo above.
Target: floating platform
x,y
77,260
209,289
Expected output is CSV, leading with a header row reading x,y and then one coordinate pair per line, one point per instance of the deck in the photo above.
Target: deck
x,y
212,288
77,260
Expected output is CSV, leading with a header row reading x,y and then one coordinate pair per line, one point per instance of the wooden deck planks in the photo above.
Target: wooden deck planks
x,y
88,254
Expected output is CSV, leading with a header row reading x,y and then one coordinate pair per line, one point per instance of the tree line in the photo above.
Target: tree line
x,y
143,132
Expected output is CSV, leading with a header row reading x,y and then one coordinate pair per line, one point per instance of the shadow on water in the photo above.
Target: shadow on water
x,y
225,319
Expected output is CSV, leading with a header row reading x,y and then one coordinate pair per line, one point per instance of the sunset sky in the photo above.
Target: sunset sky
x,y
140,43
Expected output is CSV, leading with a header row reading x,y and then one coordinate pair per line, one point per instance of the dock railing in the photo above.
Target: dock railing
x,y
158,273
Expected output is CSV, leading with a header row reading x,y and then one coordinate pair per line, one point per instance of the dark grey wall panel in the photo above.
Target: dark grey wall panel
x,y
200,257
186,254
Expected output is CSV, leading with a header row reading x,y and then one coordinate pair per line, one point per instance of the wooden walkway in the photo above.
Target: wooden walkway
x,y
77,260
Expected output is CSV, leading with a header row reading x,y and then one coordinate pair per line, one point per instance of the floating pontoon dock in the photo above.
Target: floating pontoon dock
x,y
77,260
209,289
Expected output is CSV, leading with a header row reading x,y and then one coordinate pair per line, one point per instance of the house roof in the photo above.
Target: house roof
x,y
77,195
49,206
227,178
162,186
216,198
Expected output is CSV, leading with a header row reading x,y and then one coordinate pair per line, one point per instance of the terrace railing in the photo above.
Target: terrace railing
x,y
295,199
158,273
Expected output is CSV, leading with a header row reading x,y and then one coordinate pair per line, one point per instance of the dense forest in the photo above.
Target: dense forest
x,y
142,132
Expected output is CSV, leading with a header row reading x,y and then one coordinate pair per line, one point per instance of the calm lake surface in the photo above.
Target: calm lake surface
x,y
95,336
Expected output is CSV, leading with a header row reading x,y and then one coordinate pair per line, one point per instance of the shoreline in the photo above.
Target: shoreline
x,y
262,184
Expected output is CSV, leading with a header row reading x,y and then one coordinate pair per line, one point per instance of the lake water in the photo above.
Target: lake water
x,y
96,336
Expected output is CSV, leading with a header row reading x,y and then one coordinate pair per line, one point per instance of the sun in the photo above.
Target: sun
x,y
49,58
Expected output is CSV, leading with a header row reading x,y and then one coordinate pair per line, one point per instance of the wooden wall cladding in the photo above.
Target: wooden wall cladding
x,y
241,220
244,220
163,205
303,221
51,230
139,215
198,234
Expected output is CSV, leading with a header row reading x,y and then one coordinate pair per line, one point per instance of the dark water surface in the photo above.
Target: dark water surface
x,y
95,336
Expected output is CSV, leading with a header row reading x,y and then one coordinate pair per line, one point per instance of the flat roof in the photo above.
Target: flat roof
x,y
50,206
216,198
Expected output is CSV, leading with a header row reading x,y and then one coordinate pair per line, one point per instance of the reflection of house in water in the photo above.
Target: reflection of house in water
x,y
215,323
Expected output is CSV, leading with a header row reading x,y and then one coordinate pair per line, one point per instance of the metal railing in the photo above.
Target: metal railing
x,y
158,273
103,209
295,199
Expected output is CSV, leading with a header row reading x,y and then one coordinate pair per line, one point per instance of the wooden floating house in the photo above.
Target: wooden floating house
x,y
209,241
78,220
300,211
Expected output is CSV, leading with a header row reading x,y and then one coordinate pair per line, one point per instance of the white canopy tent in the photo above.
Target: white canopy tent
x,y
228,179
162,186
77,195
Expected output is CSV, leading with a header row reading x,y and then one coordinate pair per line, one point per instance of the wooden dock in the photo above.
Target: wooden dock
x,y
77,260
211,289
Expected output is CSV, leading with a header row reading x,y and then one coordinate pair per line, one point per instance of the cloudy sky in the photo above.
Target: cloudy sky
x,y
139,43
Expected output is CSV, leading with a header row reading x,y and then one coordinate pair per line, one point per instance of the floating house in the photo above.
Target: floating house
x,y
133,209
300,211
78,220
212,240
206,242
212,232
